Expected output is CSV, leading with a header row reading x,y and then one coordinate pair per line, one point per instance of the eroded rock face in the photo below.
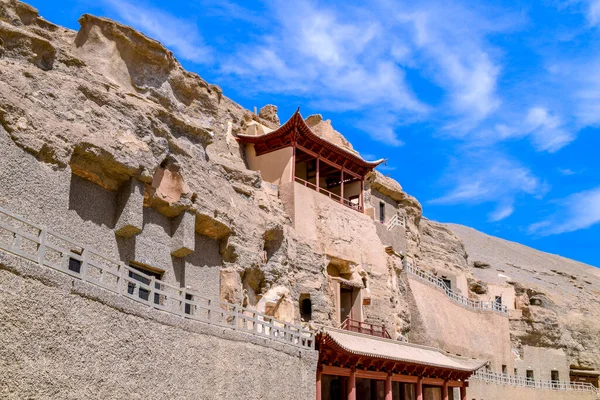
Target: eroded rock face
x,y
269,113
558,297
324,129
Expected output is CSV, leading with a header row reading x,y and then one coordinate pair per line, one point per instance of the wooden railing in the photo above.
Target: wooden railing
x,y
335,197
504,379
433,280
363,327
46,248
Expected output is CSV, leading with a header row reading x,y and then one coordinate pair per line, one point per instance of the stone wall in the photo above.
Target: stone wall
x,y
437,321
72,340
334,230
542,361
88,214
489,391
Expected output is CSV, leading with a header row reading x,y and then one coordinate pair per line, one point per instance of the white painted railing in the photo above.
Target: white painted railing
x,y
431,279
503,379
46,248
393,222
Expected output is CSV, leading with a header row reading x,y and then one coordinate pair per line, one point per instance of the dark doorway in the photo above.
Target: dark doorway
x,y
345,304
555,378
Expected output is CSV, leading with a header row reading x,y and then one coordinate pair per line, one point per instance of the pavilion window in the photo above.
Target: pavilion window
x,y
382,212
143,293
188,306
75,264
504,370
498,300
529,375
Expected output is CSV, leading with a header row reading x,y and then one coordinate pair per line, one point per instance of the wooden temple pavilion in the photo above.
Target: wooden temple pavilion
x,y
355,366
317,163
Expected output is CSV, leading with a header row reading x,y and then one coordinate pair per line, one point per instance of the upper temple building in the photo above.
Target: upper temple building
x,y
159,240
311,153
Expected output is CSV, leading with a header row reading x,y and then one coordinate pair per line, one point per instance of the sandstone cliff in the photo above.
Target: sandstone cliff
x,y
560,298
107,104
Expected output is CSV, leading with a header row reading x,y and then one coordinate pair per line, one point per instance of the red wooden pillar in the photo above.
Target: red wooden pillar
x,y
342,190
420,388
445,391
388,387
463,393
318,175
352,385
362,199
318,384
294,162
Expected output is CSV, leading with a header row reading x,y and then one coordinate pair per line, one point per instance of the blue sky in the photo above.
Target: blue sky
x,y
489,112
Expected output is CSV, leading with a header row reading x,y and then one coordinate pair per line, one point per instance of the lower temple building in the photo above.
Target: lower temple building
x,y
159,240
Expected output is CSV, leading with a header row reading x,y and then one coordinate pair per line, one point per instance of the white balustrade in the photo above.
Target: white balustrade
x,y
433,280
37,244
504,379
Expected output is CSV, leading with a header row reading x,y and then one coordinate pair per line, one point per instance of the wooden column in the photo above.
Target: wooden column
x,y
352,385
388,387
420,388
294,162
342,189
463,393
318,175
319,375
445,391
362,199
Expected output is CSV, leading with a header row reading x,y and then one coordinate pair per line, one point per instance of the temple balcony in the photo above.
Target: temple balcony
x,y
365,328
296,153
320,180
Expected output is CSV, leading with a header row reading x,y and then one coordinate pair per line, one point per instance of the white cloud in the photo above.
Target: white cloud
x,y
502,212
485,177
342,58
593,12
578,211
461,63
547,130
180,35
566,171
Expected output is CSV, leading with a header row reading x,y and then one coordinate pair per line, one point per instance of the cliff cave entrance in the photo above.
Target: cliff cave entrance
x,y
346,303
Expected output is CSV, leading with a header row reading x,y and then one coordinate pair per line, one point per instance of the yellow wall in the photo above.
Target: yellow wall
x,y
442,323
334,229
275,167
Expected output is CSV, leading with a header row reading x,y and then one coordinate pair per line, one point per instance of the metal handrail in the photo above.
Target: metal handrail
x,y
504,379
46,248
335,197
458,298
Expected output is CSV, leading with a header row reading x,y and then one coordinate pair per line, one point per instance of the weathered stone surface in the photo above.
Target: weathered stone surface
x,y
130,202
324,129
183,235
556,313
269,113
85,346
480,264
